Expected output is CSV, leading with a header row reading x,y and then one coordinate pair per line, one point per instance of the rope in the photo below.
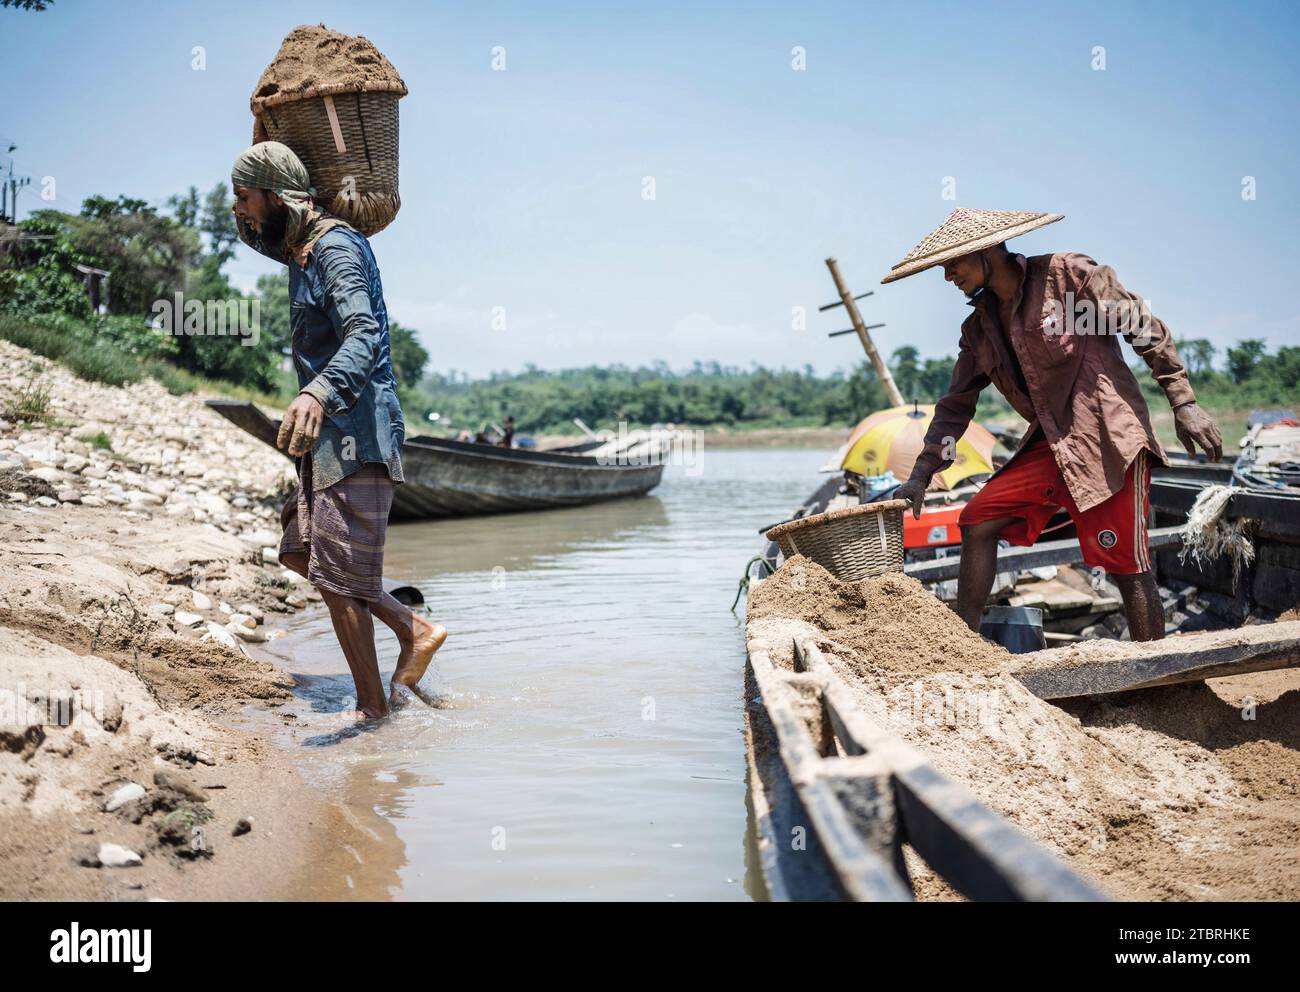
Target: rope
x,y
744,578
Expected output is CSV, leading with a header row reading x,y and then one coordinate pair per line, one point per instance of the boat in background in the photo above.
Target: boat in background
x,y
447,478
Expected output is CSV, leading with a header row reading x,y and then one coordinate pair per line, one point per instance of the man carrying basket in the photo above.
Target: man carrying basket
x,y
345,427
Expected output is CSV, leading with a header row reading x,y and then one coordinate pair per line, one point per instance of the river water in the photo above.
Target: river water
x,y
590,742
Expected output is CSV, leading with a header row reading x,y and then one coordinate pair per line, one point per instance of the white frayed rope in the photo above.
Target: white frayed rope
x,y
1207,535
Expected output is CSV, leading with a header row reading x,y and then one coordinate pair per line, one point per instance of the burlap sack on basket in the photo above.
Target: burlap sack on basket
x,y
332,98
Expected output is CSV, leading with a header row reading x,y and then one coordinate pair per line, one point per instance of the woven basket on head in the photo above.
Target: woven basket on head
x,y
346,136
851,543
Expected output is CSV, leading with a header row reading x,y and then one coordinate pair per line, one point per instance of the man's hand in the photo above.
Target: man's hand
x,y
913,490
1194,426
301,425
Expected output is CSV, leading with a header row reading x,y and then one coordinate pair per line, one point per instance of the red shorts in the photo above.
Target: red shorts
x,y
1030,488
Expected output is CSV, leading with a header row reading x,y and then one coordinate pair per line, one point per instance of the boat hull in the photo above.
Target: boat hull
x,y
452,478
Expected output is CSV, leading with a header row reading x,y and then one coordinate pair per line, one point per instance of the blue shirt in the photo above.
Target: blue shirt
x,y
341,356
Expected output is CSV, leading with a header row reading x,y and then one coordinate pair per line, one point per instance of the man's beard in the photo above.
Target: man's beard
x,y
274,225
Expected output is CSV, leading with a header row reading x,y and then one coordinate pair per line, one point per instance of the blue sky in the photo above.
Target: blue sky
x,y
522,189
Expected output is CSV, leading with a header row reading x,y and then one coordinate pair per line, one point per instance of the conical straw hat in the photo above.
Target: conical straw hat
x,y
965,231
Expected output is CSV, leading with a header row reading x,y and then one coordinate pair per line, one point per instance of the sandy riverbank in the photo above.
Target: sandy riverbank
x,y
137,574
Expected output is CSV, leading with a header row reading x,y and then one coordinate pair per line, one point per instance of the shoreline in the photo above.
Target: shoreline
x,y
137,577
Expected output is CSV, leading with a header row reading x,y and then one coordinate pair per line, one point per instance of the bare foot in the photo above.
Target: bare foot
x,y
414,658
362,715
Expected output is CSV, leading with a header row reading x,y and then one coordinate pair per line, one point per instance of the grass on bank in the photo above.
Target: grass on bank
x,y
75,345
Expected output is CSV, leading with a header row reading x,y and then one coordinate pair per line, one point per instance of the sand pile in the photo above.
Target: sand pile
x,y
891,623
1165,793
312,55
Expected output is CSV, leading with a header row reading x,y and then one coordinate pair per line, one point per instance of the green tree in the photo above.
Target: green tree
x,y
147,255
1198,353
273,291
1243,358
408,355
43,277
906,368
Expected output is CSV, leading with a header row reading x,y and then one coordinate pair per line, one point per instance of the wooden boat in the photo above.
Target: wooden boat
x,y
820,770
454,478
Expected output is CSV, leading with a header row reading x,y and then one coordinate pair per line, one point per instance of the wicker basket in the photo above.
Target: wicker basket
x,y
347,139
851,543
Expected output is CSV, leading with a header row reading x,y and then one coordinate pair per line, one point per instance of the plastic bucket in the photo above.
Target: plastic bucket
x,y
1019,629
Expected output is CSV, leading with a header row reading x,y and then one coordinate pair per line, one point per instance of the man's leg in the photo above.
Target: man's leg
x,y
1142,606
417,637
979,565
355,631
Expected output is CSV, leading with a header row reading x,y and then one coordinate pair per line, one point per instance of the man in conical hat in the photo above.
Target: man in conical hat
x,y
1045,331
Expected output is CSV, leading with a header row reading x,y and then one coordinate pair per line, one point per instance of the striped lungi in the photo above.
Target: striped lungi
x,y
342,530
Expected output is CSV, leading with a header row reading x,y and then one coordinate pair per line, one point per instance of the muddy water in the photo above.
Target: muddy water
x,y
589,743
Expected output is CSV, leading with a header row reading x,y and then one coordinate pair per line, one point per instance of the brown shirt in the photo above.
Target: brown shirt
x,y
1081,393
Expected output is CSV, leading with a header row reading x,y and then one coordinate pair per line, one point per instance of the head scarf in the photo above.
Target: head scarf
x,y
273,166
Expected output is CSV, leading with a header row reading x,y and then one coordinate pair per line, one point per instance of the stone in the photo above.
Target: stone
x,y
187,619
270,556
127,793
50,475
165,778
93,501
242,826
261,538
108,711
69,496
162,609
213,504
250,634
251,610
242,620
45,501
221,635
117,856
202,601
296,599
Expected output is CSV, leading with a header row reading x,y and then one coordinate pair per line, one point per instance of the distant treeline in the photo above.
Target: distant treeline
x,y
712,394
707,393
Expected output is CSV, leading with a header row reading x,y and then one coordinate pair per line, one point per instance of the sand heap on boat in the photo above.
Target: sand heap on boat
x,y
1179,792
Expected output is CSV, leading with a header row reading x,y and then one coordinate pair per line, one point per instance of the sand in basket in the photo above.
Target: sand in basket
x,y
332,98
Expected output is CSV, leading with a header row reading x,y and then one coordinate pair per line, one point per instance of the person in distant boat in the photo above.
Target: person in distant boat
x,y
1044,331
345,426
508,438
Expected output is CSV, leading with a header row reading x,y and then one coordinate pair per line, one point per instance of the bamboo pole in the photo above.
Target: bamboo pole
x,y
882,370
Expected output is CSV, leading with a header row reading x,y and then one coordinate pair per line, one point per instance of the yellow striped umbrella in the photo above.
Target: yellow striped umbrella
x,y
890,440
